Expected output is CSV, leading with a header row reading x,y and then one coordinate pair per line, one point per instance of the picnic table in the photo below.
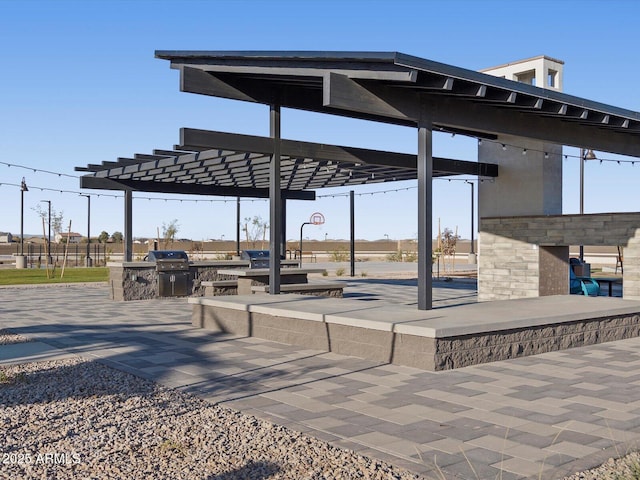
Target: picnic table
x,y
610,281
251,277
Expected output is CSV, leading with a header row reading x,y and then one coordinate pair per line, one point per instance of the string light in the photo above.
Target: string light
x,y
38,170
546,154
350,173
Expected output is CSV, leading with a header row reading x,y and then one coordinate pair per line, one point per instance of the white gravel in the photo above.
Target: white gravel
x,y
74,418
7,338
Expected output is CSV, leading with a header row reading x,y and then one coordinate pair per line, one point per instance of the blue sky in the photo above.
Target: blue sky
x,y
80,85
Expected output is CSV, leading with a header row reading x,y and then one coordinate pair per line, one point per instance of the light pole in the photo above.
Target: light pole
x,y
386,236
472,253
584,156
49,259
88,261
21,263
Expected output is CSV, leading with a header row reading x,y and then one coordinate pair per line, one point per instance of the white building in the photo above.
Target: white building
x,y
542,71
72,237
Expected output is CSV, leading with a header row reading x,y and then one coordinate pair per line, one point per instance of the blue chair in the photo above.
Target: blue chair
x,y
581,285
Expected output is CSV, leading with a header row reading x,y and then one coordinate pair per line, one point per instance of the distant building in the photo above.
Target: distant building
x,y
72,237
6,237
541,71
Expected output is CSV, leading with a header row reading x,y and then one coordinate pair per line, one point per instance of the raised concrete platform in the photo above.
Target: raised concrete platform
x,y
439,339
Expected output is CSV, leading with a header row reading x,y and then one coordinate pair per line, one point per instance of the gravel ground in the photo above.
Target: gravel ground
x,y
7,337
75,418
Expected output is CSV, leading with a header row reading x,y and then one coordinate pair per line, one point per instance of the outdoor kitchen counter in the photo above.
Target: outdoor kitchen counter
x,y
250,277
139,280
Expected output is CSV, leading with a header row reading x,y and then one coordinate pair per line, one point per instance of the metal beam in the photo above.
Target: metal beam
x,y
402,106
297,149
352,233
128,225
188,188
425,213
275,202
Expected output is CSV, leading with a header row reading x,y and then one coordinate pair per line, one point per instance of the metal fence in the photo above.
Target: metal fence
x,y
76,254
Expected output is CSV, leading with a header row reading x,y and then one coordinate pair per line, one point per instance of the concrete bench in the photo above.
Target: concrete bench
x,y
220,287
317,289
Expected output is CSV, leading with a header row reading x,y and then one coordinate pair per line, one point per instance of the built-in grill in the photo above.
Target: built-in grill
x,y
257,258
173,272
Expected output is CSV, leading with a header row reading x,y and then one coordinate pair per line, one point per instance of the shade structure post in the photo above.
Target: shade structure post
x,y
425,213
352,234
283,228
128,225
238,226
275,203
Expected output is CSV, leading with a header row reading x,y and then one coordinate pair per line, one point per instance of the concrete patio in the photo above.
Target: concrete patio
x,y
541,416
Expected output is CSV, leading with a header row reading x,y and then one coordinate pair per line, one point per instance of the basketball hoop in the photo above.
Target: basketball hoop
x,y
316,218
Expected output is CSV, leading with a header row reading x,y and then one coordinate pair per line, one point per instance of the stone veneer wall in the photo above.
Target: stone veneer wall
x,y
426,353
509,262
145,285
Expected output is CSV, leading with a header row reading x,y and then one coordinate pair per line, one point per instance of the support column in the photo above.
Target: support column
x,y
352,235
238,226
275,203
529,184
425,213
283,234
128,224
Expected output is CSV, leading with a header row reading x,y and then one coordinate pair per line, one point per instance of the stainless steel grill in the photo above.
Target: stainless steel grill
x,y
173,272
257,258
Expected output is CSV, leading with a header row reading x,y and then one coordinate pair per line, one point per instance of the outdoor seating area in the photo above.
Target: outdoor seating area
x,y
249,279
581,285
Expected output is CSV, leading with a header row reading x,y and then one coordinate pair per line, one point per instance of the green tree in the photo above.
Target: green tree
x,y
103,237
117,237
169,231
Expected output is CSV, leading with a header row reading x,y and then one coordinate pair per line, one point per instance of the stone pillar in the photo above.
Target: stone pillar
x,y
529,183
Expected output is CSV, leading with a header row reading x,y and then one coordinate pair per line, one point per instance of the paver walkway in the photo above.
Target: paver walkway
x,y
535,417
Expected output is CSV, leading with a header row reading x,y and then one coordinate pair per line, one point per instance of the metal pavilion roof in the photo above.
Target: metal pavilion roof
x,y
402,89
217,163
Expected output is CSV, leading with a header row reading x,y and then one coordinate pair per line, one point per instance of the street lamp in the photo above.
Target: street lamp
x,y
20,260
23,188
472,253
49,259
584,156
386,236
88,261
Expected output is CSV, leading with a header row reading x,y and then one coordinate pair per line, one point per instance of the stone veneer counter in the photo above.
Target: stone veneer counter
x,y
139,280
